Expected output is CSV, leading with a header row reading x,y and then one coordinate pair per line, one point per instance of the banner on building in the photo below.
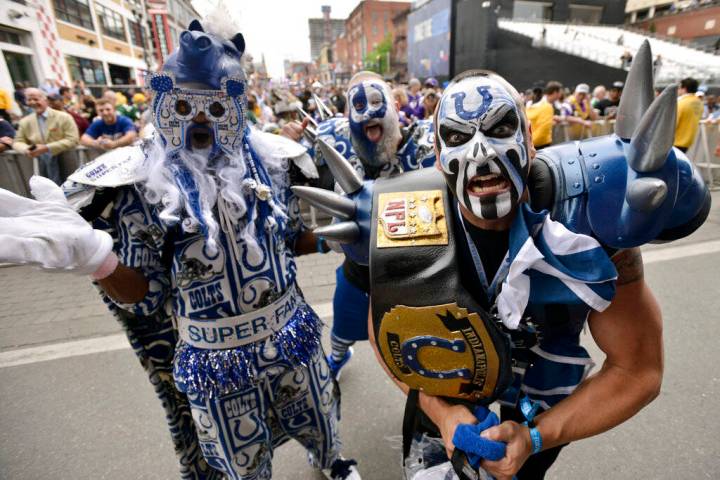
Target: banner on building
x,y
429,39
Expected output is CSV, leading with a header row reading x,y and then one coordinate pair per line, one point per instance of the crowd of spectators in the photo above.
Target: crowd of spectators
x,y
272,106
44,122
56,119
554,104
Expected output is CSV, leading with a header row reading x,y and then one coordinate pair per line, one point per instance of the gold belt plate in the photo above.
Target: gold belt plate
x,y
442,350
408,219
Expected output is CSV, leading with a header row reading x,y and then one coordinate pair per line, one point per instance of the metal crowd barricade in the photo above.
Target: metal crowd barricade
x,y
566,132
702,153
17,168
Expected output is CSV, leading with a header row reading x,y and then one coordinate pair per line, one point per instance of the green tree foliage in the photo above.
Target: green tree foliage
x,y
378,60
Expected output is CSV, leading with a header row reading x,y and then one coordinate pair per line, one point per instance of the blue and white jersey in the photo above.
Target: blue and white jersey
x,y
558,363
416,149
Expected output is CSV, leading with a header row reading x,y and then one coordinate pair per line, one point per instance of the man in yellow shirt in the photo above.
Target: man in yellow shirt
x,y
689,113
541,116
580,103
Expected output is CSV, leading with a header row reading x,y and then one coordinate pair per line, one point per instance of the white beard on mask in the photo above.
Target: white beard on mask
x,y
227,178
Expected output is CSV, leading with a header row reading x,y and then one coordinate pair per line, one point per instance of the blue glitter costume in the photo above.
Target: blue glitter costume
x,y
248,356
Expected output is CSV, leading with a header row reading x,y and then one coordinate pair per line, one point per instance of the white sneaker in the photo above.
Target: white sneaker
x,y
342,469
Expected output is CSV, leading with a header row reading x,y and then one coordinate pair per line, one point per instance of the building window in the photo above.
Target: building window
x,y
642,15
160,26
136,34
89,71
587,14
120,75
111,22
524,10
671,30
76,12
20,67
10,36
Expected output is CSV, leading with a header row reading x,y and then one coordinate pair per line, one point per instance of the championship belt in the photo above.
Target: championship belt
x,y
431,333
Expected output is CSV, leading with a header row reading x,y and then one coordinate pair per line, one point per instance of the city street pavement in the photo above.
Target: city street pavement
x,y
75,403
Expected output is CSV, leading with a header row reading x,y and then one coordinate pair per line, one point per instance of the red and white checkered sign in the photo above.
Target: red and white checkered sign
x,y
49,35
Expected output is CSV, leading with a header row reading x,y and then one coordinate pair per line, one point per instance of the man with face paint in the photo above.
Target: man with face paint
x,y
484,277
484,150
373,141
203,223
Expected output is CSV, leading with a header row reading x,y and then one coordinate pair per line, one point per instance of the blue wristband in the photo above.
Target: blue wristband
x,y
536,440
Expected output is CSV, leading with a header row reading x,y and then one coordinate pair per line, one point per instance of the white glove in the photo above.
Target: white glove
x,y
47,231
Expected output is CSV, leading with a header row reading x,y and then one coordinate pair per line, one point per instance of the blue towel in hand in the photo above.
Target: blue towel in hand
x,y
467,438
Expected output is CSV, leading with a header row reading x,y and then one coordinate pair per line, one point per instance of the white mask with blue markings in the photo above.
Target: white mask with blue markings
x,y
483,152
176,108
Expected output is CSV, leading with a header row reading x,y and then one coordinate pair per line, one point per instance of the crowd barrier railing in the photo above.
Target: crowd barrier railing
x,y
17,168
702,153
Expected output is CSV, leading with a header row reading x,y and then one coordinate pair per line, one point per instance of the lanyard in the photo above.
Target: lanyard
x,y
490,289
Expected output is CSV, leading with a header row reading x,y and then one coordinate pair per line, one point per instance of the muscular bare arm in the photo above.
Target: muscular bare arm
x,y
630,334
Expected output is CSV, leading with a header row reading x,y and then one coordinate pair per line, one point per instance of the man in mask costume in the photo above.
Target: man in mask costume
x,y
372,140
204,221
485,273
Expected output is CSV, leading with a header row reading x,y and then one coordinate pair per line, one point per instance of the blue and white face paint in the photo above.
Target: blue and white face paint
x,y
374,122
482,146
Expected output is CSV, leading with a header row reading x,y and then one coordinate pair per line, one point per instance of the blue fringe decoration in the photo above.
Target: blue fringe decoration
x,y
211,373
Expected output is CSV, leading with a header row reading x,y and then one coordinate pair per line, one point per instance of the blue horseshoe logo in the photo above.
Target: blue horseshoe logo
x,y
459,98
410,350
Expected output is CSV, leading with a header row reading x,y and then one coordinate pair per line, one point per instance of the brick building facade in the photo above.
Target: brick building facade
x,y
368,25
699,25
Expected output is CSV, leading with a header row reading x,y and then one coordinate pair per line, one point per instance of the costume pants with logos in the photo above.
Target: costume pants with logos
x,y
239,430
